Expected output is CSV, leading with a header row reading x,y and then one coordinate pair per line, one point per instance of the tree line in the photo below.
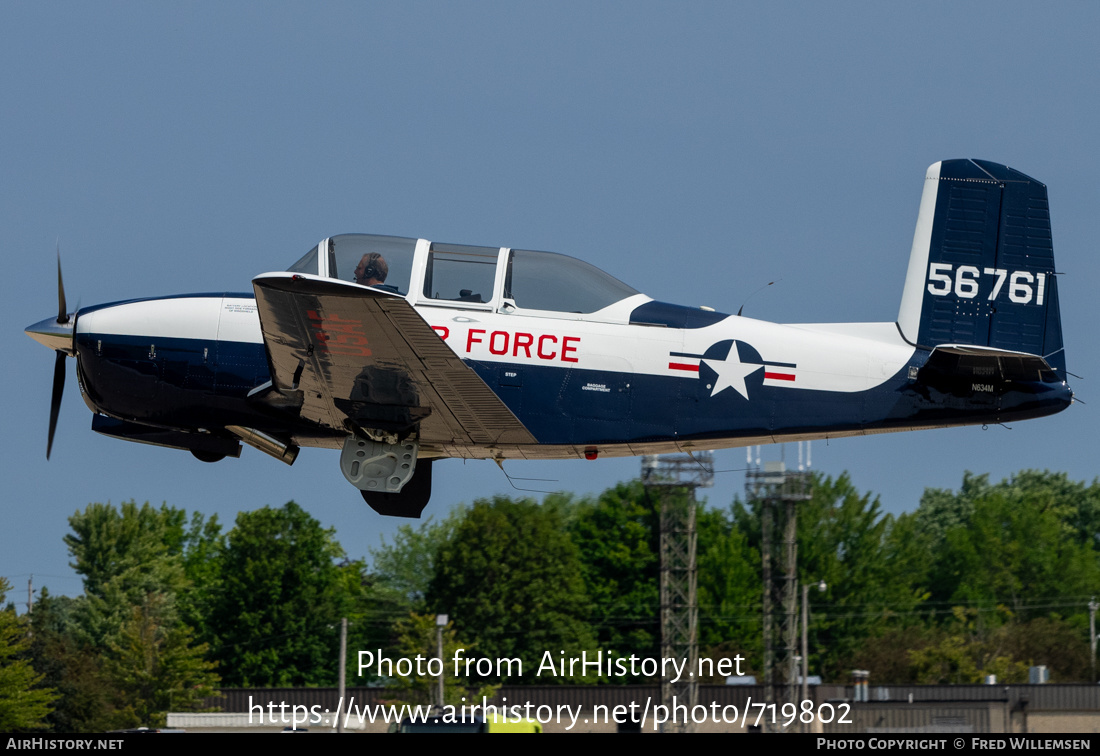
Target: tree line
x,y
987,579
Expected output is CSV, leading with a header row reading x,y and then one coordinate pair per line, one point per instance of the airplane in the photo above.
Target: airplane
x,y
400,352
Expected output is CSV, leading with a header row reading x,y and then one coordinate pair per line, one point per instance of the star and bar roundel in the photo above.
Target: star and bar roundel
x,y
733,364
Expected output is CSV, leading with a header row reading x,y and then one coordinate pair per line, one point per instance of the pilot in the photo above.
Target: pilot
x,y
372,270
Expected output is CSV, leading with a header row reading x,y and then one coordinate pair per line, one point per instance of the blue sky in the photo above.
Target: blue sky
x,y
697,151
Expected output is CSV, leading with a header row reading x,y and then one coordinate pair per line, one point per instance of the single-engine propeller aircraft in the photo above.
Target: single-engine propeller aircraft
x,y
401,351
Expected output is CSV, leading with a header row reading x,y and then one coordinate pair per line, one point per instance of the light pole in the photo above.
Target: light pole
x,y
440,623
343,668
821,586
1093,606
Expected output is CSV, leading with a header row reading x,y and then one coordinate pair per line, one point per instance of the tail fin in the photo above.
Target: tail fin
x,y
981,272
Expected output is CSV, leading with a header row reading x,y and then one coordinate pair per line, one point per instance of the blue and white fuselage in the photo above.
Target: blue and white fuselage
x,y
189,363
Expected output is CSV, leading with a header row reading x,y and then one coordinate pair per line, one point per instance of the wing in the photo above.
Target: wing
x,y
351,357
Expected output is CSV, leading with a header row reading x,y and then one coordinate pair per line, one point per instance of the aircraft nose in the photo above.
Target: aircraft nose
x,y
50,333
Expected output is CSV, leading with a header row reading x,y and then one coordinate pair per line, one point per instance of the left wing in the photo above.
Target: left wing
x,y
354,357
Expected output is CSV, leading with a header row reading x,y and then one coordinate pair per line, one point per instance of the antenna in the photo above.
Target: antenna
x,y
512,480
750,296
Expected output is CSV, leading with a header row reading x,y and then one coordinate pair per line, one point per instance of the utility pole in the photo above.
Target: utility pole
x,y
806,643
440,622
30,597
343,668
1093,606
675,477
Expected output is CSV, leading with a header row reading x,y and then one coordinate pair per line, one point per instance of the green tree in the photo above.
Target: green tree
x,y
1074,505
124,554
729,590
204,543
512,581
1027,543
964,649
407,565
395,586
24,705
616,535
844,540
125,642
1016,554
154,666
128,541
1055,643
87,699
373,609
965,654
889,655
275,608
1009,568
941,509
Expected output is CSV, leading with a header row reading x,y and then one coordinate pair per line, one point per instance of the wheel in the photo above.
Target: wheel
x,y
206,456
412,499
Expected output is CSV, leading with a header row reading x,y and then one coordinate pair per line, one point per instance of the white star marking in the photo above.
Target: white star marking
x,y
731,373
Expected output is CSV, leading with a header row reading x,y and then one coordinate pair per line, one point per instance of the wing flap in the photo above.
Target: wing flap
x,y
357,356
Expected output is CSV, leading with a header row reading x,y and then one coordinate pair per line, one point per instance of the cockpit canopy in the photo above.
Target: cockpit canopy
x,y
342,255
467,277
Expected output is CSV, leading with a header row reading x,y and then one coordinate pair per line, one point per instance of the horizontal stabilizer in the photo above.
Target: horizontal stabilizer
x,y
953,365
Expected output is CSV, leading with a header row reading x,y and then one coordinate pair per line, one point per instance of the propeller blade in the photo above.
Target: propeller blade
x,y
62,311
55,400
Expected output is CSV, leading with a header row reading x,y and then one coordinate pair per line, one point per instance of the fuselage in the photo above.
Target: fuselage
x,y
640,377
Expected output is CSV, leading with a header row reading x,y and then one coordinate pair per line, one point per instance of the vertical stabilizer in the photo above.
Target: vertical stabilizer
x,y
981,271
